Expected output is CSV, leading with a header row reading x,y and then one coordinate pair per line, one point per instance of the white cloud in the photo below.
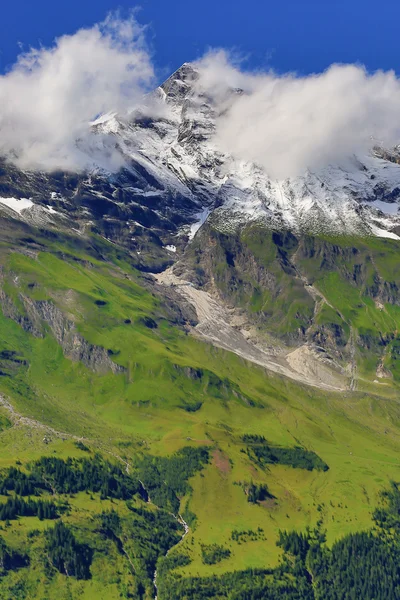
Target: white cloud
x,y
289,123
50,95
284,123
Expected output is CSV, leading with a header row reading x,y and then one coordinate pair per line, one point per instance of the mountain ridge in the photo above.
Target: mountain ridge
x,y
173,178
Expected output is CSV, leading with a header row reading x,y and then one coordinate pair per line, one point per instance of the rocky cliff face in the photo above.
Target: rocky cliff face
x,y
338,295
37,317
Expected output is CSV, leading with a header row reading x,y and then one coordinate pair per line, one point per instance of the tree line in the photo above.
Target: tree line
x,y
16,506
70,476
263,453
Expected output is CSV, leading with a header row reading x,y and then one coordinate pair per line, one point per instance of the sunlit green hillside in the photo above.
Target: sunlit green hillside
x,y
152,390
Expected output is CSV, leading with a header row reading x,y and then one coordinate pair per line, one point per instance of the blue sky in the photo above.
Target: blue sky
x,y
289,35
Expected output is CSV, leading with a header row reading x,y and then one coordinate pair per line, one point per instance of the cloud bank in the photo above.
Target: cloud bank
x,y
49,97
285,123
288,124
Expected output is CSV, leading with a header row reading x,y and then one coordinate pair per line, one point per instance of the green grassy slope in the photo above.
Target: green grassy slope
x,y
177,391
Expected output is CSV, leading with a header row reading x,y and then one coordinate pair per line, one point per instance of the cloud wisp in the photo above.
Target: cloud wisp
x,y
49,97
288,124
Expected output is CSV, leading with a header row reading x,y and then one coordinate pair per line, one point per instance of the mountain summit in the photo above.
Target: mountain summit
x,y
227,227
173,178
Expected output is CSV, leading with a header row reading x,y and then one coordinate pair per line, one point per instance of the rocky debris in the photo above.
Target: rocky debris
x,y
215,326
260,272
382,372
73,344
11,312
247,265
330,336
179,311
315,364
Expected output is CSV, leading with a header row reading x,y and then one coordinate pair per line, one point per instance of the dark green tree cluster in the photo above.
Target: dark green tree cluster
x,y
86,474
361,565
144,536
246,535
110,523
252,584
81,446
213,553
66,554
165,478
263,454
387,516
151,533
9,559
70,476
172,561
297,544
251,438
16,506
257,492
21,483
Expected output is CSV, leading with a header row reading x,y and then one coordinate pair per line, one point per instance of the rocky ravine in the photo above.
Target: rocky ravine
x,y
222,327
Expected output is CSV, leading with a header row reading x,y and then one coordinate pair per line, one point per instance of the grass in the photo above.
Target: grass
x,y
105,582
357,435
361,462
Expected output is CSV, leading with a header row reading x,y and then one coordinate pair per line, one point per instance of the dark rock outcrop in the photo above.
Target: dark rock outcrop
x,y
42,314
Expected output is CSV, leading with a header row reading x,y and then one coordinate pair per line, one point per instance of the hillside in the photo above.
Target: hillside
x,y
190,368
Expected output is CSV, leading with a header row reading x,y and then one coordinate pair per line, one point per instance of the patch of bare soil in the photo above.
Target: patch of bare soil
x,y
221,461
269,503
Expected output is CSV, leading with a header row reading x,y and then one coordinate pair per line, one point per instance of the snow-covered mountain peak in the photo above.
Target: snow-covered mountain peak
x,y
360,196
180,83
174,177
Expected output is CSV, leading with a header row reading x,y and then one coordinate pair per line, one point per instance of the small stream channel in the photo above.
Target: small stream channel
x,y
180,520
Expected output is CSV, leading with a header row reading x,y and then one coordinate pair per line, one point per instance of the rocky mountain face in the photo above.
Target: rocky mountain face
x,y
174,178
178,149
289,254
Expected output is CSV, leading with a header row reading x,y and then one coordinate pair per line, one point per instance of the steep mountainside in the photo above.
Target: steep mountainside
x,y
194,359
338,297
176,186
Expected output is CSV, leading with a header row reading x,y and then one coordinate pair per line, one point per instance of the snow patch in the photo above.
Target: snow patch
x,y
389,208
104,118
17,204
196,226
179,153
51,210
383,233
170,247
